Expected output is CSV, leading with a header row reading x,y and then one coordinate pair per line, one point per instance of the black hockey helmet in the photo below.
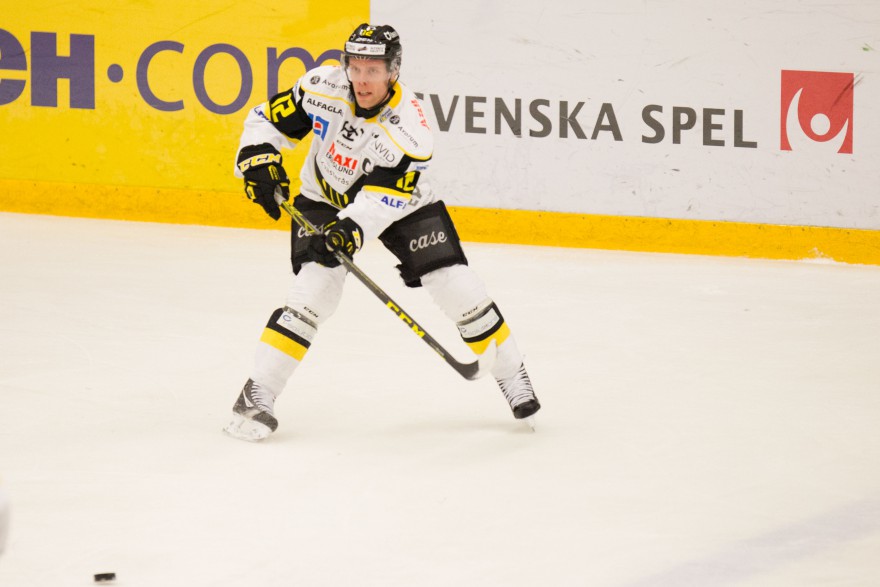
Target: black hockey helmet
x,y
375,42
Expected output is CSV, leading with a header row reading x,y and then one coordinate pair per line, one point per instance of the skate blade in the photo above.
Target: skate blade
x,y
246,429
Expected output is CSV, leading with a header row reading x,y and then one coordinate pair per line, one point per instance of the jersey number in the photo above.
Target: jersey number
x,y
282,107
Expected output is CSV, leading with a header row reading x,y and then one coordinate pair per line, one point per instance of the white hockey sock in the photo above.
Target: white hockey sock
x,y
283,344
508,360
462,296
272,368
313,296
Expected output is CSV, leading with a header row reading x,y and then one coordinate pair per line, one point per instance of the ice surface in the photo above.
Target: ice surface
x,y
706,421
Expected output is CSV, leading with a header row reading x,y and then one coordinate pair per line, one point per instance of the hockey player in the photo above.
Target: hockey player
x,y
363,178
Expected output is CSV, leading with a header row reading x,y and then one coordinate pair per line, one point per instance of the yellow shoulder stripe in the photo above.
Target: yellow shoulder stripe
x,y
399,146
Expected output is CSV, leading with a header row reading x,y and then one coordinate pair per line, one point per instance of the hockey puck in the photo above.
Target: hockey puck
x,y
105,577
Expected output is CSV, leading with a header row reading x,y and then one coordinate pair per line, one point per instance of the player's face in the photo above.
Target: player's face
x,y
370,78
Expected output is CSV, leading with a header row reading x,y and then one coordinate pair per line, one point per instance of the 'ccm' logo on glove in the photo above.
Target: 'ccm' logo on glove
x,y
261,159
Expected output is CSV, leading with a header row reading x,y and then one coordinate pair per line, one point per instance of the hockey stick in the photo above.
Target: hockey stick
x,y
470,371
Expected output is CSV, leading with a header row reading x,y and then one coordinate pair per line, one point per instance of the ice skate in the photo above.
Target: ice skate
x,y
252,416
518,391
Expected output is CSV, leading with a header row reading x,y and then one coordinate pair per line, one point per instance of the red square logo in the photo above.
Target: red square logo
x,y
817,107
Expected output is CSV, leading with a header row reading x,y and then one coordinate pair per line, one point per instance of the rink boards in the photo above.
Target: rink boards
x,y
728,132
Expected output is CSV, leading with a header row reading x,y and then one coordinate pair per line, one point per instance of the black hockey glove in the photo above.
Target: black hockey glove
x,y
340,235
262,170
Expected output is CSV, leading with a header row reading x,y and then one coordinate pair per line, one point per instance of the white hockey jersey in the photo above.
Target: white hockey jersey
x,y
370,168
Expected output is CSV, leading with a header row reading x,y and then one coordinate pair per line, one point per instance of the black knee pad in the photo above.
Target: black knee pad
x,y
319,214
424,241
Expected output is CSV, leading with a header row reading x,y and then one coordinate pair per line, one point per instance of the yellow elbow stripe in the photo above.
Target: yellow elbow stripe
x,y
388,191
284,344
499,336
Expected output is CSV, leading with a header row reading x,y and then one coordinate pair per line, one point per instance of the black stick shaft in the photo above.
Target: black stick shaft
x,y
467,370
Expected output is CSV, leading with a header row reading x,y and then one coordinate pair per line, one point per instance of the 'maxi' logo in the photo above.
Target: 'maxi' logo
x,y
817,107
49,64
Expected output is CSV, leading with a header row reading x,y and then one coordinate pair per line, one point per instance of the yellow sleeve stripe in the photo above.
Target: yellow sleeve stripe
x,y
389,191
499,336
282,343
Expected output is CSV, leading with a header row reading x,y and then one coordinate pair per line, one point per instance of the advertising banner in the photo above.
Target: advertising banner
x,y
748,128
107,105
754,112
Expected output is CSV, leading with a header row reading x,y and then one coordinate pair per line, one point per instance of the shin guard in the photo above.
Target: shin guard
x,y
480,330
283,344
290,332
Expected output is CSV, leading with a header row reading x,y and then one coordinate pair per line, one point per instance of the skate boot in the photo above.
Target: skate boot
x,y
518,391
252,417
